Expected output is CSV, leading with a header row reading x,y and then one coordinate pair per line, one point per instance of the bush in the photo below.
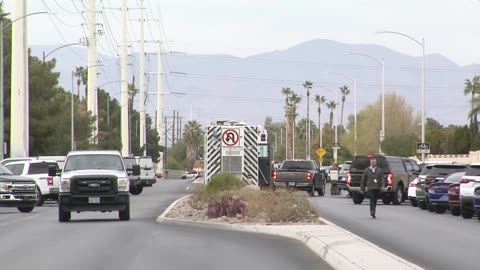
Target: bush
x,y
224,182
279,206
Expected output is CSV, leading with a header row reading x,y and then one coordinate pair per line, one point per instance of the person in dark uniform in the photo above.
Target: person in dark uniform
x,y
374,180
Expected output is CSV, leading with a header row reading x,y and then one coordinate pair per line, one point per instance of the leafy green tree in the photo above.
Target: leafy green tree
x,y
404,146
192,138
461,140
153,141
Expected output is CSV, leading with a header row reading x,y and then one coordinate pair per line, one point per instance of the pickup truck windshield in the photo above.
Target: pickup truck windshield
x,y
360,163
4,171
41,167
94,162
297,165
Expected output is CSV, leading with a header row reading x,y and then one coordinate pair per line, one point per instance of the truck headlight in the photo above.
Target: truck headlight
x,y
5,187
64,185
123,184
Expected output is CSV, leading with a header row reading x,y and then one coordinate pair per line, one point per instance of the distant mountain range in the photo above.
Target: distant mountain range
x,y
229,87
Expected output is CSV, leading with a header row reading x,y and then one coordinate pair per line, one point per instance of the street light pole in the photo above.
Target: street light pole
x,y
421,44
73,117
381,62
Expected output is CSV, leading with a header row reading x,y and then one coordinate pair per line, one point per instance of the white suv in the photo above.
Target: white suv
x,y
470,191
47,186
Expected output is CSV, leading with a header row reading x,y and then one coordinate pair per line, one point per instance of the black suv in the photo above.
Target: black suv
x,y
398,171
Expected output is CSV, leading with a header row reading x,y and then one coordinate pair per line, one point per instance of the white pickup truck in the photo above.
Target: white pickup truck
x,y
47,186
93,181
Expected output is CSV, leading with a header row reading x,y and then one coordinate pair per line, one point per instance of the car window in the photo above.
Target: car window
x,y
397,166
129,162
297,165
408,165
41,167
360,163
454,178
94,162
346,167
145,163
426,170
445,170
5,171
473,171
16,169
415,165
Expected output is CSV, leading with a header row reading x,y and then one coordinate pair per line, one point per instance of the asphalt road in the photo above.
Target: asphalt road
x,y
433,241
97,241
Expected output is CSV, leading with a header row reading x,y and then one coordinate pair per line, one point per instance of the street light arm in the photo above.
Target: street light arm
x,y
61,47
366,55
401,34
17,19
341,74
109,83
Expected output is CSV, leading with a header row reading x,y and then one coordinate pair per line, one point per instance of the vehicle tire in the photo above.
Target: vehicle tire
x,y
125,215
387,200
63,216
440,209
422,205
25,209
357,197
397,196
414,203
478,215
429,205
455,211
136,190
40,197
466,213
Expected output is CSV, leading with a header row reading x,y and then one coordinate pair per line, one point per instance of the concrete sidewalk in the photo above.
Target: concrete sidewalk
x,y
338,247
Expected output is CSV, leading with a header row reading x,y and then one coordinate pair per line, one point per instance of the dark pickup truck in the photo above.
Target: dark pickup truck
x,y
301,174
398,172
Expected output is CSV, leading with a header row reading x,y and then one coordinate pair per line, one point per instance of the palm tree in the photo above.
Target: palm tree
x,y
345,92
320,101
193,139
331,106
81,78
294,101
287,92
308,85
473,87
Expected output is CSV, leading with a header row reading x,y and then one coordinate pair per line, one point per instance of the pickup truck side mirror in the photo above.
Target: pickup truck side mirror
x,y
322,170
136,170
52,170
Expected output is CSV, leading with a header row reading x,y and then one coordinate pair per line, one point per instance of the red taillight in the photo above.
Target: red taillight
x,y
429,178
390,179
369,156
50,181
465,181
349,178
274,175
412,185
309,176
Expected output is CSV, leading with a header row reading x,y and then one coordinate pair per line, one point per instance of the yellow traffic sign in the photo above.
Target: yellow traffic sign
x,y
321,152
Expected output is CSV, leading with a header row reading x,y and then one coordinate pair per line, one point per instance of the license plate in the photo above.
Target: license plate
x,y
291,183
93,200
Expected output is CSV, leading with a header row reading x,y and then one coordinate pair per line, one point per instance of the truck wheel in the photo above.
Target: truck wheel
x,y
478,215
136,190
455,211
25,209
413,202
422,205
429,205
397,196
357,197
40,197
63,216
386,200
125,215
440,209
466,213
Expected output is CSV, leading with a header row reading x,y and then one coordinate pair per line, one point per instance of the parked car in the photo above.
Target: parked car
x,y
412,187
470,191
438,192
397,177
147,175
436,174
47,187
301,174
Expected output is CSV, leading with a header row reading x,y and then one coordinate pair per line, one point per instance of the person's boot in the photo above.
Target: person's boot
x,y
372,213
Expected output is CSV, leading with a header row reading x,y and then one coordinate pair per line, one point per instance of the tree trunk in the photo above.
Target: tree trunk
x,y
290,137
320,126
331,119
341,117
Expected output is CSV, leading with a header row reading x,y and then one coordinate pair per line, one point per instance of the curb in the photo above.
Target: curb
x,y
340,248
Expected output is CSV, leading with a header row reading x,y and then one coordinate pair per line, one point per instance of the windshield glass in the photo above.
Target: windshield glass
x,y
360,163
454,178
297,165
129,162
41,167
473,171
4,171
146,163
94,162
426,170
445,170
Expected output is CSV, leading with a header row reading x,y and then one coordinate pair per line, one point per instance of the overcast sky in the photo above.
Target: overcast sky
x,y
246,27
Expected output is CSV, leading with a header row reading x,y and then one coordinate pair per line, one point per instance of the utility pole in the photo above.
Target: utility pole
x,y
19,121
124,86
160,94
142,79
92,65
173,129
166,141
179,134
2,139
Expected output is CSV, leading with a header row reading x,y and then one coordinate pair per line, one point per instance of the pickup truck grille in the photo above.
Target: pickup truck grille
x,y
94,185
23,188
